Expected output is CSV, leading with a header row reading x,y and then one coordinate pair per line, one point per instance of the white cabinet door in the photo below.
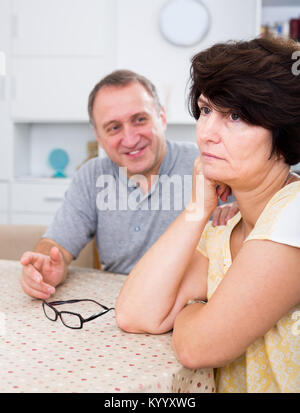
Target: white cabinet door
x,y
6,131
3,197
38,198
62,27
55,89
142,48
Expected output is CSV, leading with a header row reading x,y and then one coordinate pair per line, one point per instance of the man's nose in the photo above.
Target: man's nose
x,y
209,128
129,136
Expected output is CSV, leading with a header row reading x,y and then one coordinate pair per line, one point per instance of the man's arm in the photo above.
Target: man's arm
x,y
44,268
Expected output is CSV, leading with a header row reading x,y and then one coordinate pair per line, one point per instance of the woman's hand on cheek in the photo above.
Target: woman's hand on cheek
x,y
204,194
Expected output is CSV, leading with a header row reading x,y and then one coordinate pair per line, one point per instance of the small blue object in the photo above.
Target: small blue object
x,y
58,160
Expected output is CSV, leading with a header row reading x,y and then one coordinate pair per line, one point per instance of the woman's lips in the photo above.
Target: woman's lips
x,y
210,156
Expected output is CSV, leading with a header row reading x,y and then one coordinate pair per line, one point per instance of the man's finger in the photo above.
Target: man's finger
x,y
29,271
39,286
26,258
32,292
216,217
30,257
55,255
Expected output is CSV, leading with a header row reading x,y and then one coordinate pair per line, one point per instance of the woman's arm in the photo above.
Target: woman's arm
x,y
167,276
260,287
171,272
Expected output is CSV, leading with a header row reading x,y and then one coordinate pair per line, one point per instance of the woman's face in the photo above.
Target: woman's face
x,y
232,151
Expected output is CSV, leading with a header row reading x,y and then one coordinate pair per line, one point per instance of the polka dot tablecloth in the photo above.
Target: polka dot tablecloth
x,y
39,355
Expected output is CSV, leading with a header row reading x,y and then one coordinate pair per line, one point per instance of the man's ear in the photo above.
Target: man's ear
x,y
163,117
98,139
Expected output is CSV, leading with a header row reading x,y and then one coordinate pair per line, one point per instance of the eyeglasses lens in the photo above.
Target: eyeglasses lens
x,y
70,320
50,313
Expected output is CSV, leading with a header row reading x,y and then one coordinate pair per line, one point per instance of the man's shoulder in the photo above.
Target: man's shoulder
x,y
97,166
182,156
184,145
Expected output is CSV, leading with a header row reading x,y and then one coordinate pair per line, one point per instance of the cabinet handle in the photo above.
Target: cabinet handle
x,y
52,199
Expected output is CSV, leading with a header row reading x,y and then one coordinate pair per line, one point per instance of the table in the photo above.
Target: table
x,y
38,355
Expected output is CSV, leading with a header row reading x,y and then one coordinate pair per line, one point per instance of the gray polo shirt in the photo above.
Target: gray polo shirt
x,y
101,201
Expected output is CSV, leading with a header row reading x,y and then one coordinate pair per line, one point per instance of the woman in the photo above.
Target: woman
x,y
247,104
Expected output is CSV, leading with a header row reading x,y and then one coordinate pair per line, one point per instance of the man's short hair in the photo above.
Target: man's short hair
x,y
122,78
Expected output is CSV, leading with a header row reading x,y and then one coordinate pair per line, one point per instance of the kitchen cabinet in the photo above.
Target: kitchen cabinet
x,y
6,129
142,48
56,89
61,27
36,203
60,49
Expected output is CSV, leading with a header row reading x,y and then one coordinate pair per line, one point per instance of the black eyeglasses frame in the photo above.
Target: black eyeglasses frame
x,y
52,305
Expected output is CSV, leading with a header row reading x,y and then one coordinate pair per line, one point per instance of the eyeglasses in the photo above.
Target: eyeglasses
x,y
68,318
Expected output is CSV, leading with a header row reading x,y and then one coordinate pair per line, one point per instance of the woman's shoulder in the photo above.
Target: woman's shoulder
x,y
280,220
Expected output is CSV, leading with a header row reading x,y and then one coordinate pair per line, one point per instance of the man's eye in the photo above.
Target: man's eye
x,y
204,110
113,128
234,116
141,119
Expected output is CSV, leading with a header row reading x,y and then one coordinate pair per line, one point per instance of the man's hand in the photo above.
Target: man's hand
x,y
224,213
41,273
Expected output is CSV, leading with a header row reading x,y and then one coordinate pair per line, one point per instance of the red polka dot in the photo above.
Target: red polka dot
x,y
117,389
198,384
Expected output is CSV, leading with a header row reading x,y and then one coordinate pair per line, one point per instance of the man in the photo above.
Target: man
x,y
126,198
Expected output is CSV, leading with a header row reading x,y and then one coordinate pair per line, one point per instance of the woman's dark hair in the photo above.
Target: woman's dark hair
x,y
258,80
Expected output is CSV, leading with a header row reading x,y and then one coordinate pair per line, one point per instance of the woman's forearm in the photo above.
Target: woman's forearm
x,y
150,291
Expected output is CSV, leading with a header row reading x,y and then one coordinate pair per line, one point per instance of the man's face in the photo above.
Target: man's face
x,y
130,128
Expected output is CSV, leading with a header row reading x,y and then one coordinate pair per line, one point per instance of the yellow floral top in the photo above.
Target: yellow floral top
x,y
271,363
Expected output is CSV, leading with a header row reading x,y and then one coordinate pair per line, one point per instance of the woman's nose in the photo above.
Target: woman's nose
x,y
209,128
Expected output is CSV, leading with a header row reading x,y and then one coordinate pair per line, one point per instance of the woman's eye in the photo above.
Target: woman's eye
x,y
234,116
141,119
204,110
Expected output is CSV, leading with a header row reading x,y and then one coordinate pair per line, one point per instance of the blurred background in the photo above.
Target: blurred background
x,y
52,53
